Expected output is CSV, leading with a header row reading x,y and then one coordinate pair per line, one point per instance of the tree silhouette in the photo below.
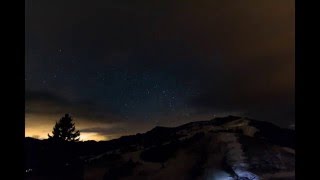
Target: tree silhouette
x,y
65,130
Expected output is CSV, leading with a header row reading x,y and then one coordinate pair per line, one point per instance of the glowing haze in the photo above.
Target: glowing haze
x,y
123,67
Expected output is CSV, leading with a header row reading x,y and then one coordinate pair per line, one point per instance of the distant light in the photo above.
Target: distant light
x,y
222,175
247,174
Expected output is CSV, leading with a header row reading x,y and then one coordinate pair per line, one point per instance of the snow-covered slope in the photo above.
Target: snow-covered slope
x,y
222,148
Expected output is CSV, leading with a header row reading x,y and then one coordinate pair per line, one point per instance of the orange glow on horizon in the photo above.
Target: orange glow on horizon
x,y
92,136
36,127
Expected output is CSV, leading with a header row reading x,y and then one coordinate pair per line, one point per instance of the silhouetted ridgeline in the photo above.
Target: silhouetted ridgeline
x,y
71,159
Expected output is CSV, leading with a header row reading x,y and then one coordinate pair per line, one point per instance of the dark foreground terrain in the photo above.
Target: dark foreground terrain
x,y
222,148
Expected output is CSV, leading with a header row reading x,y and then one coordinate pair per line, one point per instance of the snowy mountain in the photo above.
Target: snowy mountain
x,y
222,148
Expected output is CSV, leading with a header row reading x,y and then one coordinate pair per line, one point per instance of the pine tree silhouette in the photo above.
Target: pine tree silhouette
x,y
65,130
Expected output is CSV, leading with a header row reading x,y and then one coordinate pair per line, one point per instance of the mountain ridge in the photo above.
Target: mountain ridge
x,y
235,146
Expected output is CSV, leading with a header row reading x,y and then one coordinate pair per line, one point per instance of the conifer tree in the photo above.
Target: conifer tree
x,y
65,130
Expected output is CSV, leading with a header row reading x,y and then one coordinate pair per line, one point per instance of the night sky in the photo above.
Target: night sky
x,y
121,67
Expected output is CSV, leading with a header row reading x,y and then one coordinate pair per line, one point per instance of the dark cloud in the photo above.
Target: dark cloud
x,y
45,103
142,60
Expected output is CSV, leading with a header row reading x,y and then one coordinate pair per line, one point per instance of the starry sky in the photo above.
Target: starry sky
x,y
121,67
